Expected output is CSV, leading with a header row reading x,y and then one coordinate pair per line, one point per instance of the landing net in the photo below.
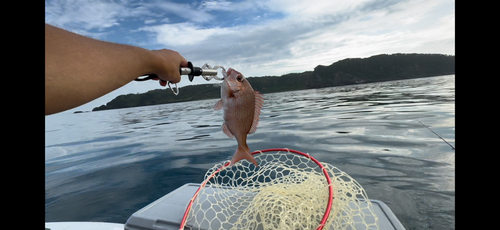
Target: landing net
x,y
289,190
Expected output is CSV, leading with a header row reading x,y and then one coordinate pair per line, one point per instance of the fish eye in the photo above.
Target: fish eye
x,y
239,78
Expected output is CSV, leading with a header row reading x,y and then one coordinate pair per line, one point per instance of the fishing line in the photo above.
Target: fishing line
x,y
437,135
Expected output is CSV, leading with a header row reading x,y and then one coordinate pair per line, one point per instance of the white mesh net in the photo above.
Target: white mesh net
x,y
286,191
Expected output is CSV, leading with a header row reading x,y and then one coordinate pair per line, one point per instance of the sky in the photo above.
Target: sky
x,y
260,38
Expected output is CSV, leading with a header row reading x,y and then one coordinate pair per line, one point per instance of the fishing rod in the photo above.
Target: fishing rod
x,y
437,135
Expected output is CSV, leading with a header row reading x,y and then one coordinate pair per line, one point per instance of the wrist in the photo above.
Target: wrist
x,y
151,62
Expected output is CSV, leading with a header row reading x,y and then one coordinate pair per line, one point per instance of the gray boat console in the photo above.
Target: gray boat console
x,y
166,213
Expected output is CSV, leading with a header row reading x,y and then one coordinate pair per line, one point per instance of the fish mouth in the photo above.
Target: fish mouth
x,y
232,84
233,87
231,70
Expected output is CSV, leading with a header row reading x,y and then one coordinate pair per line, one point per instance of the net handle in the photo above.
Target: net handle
x,y
325,172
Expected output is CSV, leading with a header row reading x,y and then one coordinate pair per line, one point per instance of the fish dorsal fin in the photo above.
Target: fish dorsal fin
x,y
259,101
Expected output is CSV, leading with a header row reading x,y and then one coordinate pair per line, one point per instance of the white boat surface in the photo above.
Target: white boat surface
x,y
83,225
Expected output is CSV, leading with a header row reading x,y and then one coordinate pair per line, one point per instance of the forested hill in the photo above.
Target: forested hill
x,y
383,67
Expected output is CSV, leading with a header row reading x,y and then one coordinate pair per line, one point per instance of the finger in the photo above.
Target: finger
x,y
184,62
176,79
176,76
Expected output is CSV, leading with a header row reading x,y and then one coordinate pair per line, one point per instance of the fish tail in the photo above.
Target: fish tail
x,y
243,152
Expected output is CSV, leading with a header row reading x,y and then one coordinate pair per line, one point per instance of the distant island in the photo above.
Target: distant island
x,y
383,67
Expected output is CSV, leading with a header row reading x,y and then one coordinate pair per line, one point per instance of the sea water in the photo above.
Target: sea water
x,y
104,166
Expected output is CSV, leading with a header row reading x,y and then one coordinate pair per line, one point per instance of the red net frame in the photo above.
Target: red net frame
x,y
325,172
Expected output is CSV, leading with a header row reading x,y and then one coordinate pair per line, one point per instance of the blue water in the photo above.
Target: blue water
x,y
104,166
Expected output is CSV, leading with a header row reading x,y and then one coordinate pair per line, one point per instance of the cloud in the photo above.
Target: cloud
x,y
216,5
320,34
185,11
149,21
261,38
273,46
83,14
308,9
182,34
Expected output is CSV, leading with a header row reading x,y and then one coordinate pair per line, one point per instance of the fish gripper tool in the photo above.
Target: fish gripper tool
x,y
207,72
191,71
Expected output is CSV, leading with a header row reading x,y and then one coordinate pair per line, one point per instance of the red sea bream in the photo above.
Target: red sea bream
x,y
241,107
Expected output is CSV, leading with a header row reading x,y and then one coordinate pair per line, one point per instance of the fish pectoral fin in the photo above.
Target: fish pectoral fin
x,y
242,153
259,101
218,105
226,130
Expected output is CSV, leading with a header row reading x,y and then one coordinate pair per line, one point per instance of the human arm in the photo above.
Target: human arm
x,y
79,69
